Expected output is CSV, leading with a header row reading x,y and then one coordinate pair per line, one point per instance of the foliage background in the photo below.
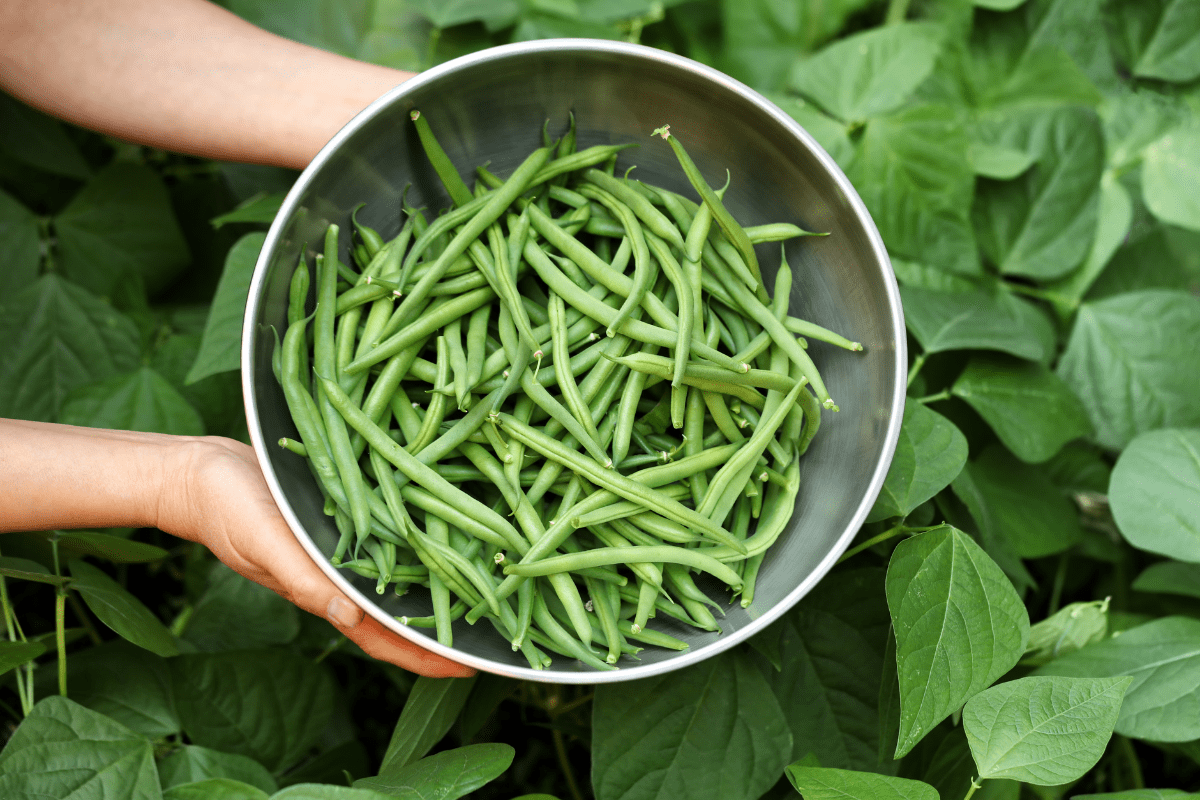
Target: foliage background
x,y
1032,167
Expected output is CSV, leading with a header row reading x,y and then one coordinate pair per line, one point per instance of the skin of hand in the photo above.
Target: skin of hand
x,y
205,489
182,75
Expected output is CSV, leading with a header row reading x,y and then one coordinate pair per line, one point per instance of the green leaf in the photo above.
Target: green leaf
x,y
1023,505
1030,408
218,398
220,350
832,647
1156,256
959,626
913,173
323,791
1042,730
263,617
1155,491
127,685
109,547
120,610
1112,226
270,705
58,336
26,570
120,227
260,208
1073,626
923,276
761,38
823,783
1041,225
447,775
1163,657
1044,77
64,750
1132,362
1137,794
930,452
978,320
1172,52
215,789
38,140
712,730
430,711
871,73
1169,577
20,246
1170,170
997,5
457,12
336,25
997,161
828,132
14,654
141,400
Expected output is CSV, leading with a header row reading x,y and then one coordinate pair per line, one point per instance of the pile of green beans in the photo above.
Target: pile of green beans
x,y
554,403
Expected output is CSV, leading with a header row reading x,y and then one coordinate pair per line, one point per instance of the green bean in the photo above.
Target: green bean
x,y
666,554
459,193
566,382
776,232
298,291
292,446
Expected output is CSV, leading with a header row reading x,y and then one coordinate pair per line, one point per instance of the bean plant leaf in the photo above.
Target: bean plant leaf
x,y
264,618
457,12
120,227
948,767
913,173
1031,410
141,400
1043,78
120,610
832,644
1023,505
110,547
1170,169
1042,224
1130,360
260,208
270,705
128,686
324,791
220,349
62,749
26,570
930,453
1114,218
980,320
1172,52
1042,730
20,246
192,763
429,712
1170,577
59,336
828,132
215,789
870,73
38,140
1073,626
14,654
447,775
959,626
1137,794
1163,657
998,161
823,783
1155,491
713,730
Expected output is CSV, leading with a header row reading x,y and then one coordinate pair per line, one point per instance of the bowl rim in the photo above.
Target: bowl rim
x,y
683,658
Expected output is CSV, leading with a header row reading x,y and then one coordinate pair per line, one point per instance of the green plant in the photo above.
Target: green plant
x,y
1021,614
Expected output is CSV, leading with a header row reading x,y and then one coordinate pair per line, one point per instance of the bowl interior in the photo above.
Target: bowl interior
x,y
489,108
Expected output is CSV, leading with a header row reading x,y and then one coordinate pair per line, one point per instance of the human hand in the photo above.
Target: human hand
x,y
214,493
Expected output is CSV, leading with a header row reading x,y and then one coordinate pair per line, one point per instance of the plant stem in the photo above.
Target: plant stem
x,y
334,645
917,363
897,11
975,785
874,540
60,617
84,619
23,679
1131,760
560,748
1060,578
944,394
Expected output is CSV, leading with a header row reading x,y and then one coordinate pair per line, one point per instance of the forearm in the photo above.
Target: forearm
x,y
62,476
183,75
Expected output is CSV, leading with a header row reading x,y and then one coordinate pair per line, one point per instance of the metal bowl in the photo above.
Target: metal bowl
x,y
489,107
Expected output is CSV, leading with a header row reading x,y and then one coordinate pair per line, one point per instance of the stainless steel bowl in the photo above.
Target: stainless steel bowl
x,y
489,107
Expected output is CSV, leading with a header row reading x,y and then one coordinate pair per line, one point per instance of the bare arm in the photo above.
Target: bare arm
x,y
205,489
184,75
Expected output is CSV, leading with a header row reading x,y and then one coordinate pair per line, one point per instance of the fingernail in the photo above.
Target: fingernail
x,y
342,613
